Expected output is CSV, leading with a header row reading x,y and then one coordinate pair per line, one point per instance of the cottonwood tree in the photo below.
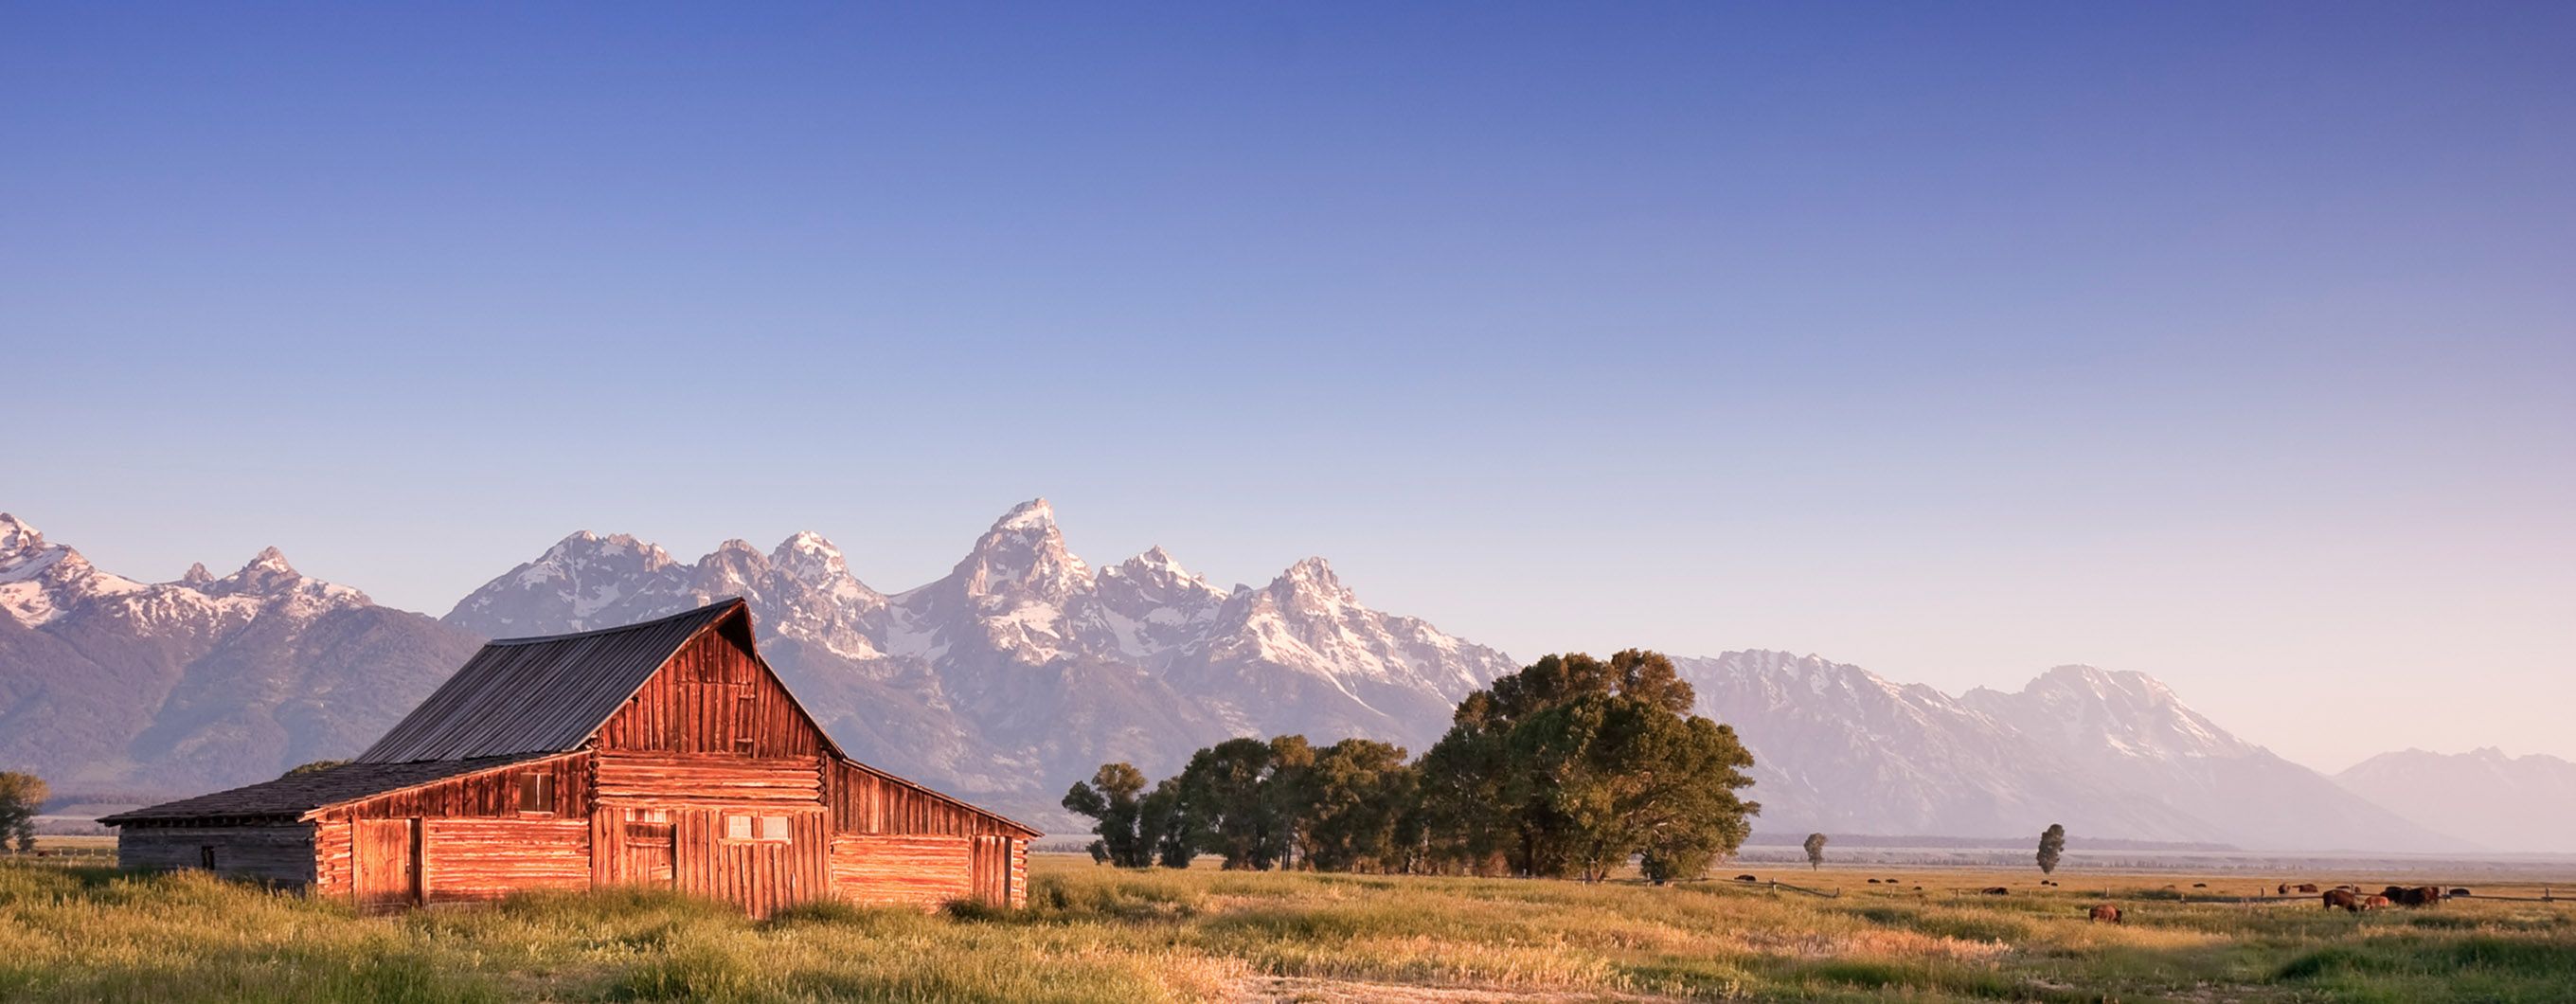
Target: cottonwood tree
x,y
1581,764
1356,793
1816,851
21,796
2052,844
1111,799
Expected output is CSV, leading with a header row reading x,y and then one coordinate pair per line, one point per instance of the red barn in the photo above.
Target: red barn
x,y
662,754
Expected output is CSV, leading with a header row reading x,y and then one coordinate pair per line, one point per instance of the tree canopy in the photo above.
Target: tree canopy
x,y
2052,844
1571,767
21,797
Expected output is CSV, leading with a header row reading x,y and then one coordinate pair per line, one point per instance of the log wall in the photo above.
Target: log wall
x,y
477,859
656,780
280,853
902,870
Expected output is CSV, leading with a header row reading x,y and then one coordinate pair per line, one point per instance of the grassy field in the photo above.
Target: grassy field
x,y
1093,934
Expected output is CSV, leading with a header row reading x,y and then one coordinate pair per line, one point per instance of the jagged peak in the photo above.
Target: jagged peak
x,y
196,575
1033,514
269,560
583,543
1315,574
810,557
17,535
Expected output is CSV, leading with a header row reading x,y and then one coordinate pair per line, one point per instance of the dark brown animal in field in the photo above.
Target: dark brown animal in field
x,y
2106,912
2284,890
2306,887
1873,881
2343,899
2373,902
2200,885
1746,878
2455,893
1996,890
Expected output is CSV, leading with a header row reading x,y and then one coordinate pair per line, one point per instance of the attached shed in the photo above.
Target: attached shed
x,y
662,754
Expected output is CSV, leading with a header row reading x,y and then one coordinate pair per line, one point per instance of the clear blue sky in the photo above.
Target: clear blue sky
x,y
2235,343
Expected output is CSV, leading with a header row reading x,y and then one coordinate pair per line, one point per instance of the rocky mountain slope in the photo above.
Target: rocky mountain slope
x,y
1838,748
2524,803
1024,667
201,682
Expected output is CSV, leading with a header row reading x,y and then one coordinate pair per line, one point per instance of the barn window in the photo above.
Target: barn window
x,y
756,828
206,856
537,792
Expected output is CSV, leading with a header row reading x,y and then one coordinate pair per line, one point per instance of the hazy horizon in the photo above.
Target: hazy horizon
x,y
2227,344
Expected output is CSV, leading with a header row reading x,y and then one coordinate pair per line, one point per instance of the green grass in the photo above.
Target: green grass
x,y
1099,935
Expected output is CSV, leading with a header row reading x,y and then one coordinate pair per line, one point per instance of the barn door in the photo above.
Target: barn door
x,y
386,853
650,854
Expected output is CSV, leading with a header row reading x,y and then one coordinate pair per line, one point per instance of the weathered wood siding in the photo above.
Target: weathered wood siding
x,y
902,870
470,859
713,697
867,801
281,853
492,794
654,780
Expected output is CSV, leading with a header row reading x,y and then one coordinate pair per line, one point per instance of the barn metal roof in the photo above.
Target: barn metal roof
x,y
295,794
543,695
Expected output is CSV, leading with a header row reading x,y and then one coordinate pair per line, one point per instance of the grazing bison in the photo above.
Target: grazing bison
x,y
2306,887
2342,899
2373,902
1996,890
2284,890
2200,885
1873,881
2106,912
1746,878
2422,895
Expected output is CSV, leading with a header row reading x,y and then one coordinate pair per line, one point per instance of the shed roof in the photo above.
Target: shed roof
x,y
296,794
529,695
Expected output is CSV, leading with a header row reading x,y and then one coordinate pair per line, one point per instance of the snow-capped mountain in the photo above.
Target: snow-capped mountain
x,y
1025,667
201,681
1838,748
2524,803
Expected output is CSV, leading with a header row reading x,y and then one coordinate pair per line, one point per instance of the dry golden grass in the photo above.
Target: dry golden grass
x,y
1095,934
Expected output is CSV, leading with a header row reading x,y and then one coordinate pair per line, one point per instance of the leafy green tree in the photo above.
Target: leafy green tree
x,y
1165,823
1222,787
2052,844
1110,799
1358,791
1815,851
21,797
1581,764
1287,798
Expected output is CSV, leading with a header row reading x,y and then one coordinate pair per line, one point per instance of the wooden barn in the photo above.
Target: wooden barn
x,y
661,754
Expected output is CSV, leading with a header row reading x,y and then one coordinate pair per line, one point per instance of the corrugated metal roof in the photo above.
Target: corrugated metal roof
x,y
542,695
296,794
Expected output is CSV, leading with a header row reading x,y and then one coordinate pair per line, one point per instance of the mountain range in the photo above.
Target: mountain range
x,y
1025,667
2526,803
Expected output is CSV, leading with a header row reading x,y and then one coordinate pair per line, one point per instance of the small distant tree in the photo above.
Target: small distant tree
x,y
316,766
1111,799
2052,845
21,795
1815,851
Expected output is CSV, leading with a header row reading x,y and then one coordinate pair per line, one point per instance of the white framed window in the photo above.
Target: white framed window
x,y
750,827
